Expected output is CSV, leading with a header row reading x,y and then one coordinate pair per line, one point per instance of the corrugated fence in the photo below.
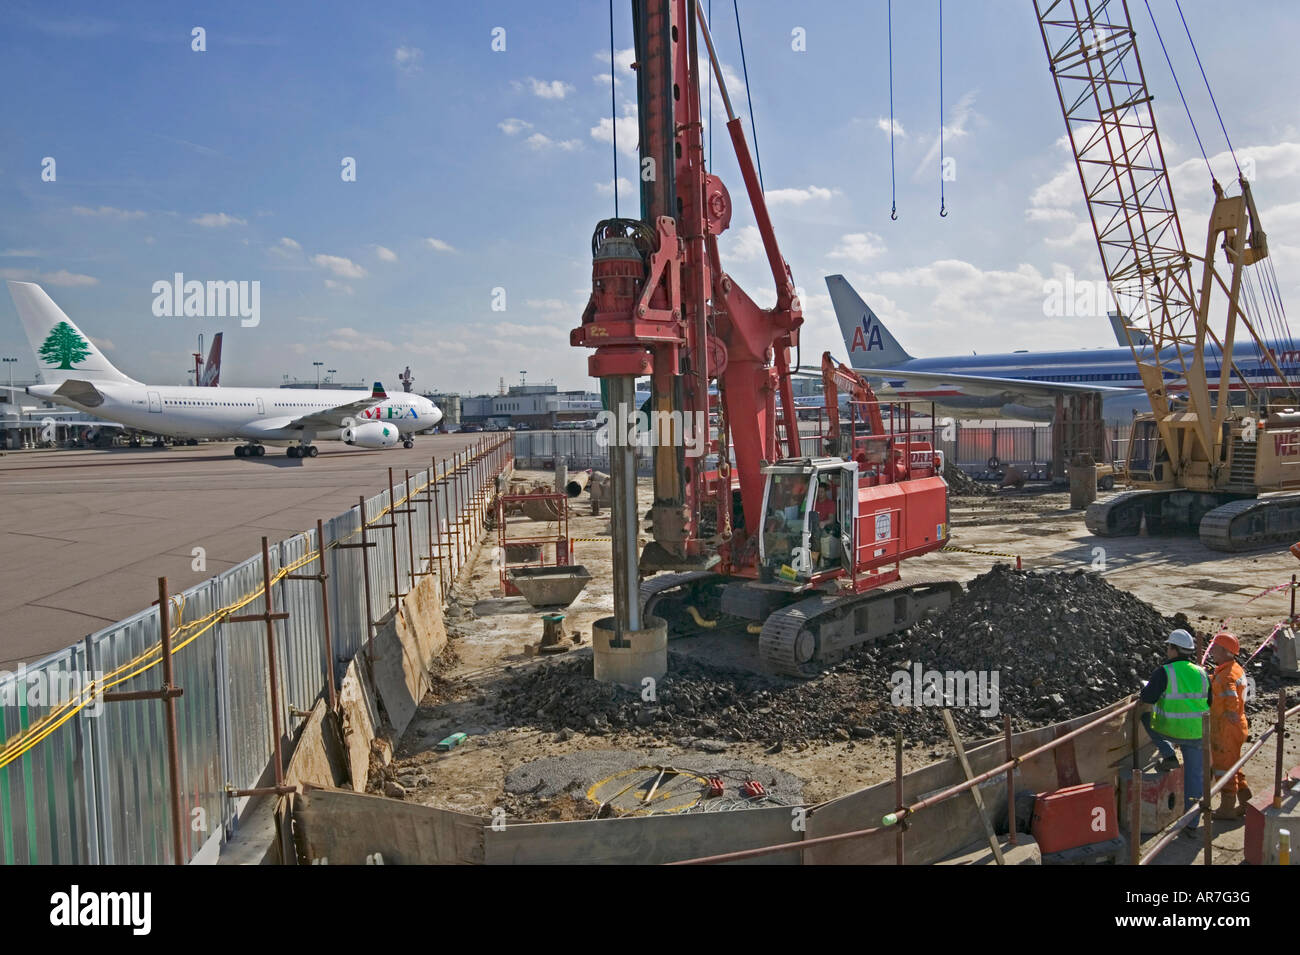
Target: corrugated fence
x,y
86,781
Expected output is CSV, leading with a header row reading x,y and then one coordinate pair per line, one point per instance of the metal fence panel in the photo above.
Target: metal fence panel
x,y
45,815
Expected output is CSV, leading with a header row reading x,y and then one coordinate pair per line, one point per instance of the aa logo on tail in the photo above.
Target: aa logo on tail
x,y
866,337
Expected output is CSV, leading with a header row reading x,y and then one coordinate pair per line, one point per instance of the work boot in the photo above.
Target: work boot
x,y
1244,795
1227,806
1168,763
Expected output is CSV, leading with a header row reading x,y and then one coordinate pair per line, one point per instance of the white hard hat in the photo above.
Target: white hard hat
x,y
1182,639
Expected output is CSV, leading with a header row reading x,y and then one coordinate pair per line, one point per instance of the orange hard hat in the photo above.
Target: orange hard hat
x,y
1228,641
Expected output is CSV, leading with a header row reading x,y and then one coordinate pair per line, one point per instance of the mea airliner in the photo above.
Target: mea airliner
x,y
78,376
1022,384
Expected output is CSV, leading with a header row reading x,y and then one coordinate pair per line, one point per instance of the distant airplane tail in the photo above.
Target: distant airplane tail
x,y
211,376
62,350
868,340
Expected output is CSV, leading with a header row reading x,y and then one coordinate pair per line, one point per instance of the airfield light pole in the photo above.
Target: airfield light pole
x,y
10,362
330,373
318,365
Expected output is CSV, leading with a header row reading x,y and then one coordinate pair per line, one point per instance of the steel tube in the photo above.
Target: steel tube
x,y
173,736
325,617
271,666
624,514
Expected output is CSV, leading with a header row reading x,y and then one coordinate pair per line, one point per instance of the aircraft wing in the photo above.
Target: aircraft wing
x,y
1008,388
334,417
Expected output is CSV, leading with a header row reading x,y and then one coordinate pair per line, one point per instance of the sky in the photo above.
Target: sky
x,y
462,245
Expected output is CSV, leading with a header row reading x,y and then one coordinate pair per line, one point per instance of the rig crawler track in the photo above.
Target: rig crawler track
x,y
811,632
1234,526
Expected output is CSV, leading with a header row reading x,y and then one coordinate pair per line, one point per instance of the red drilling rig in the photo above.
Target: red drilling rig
x,y
803,551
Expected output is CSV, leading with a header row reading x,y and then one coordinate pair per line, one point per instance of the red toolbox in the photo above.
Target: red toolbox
x,y
1074,816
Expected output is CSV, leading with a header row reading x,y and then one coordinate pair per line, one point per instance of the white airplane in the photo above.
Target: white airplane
x,y
79,376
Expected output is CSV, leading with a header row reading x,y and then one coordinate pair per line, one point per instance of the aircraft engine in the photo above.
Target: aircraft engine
x,y
371,434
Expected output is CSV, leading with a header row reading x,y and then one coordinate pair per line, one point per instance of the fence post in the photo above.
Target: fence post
x,y
323,578
167,693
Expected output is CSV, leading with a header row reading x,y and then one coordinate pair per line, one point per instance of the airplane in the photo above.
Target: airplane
x,y
1023,385
77,375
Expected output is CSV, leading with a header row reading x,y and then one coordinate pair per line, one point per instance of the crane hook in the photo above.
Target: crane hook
x,y
943,212
893,212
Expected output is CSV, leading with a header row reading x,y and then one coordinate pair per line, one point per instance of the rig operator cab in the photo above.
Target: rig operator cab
x,y
809,520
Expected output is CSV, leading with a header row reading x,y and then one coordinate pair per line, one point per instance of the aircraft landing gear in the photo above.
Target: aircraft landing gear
x,y
302,451
159,443
134,441
249,450
408,443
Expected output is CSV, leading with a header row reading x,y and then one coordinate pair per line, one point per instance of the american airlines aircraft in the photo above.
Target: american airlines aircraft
x,y
1020,384
79,376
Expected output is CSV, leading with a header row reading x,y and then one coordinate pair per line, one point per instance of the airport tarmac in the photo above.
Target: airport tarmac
x,y
87,534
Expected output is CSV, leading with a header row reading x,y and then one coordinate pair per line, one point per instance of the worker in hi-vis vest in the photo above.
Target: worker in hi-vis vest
x,y
1228,724
1179,690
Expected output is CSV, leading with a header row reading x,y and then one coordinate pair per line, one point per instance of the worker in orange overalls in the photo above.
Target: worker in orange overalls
x,y
1228,725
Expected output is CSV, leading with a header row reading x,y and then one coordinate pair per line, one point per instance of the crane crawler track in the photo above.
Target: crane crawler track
x,y
1251,524
1121,515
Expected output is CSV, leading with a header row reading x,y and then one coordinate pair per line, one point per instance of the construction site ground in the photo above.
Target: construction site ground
x,y
533,772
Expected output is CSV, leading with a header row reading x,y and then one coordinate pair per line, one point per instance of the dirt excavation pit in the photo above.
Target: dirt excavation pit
x,y
1041,646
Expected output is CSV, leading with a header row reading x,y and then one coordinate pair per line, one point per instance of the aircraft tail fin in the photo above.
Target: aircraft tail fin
x,y
62,350
211,376
869,343
1117,323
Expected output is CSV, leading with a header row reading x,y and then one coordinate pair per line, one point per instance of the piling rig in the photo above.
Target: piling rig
x,y
801,551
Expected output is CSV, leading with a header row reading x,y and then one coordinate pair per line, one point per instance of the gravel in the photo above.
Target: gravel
x,y
1062,644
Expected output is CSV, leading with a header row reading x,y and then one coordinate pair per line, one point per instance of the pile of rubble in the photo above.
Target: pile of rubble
x,y
961,484
1040,647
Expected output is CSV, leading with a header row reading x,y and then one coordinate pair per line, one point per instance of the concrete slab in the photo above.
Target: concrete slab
x,y
1024,852
86,534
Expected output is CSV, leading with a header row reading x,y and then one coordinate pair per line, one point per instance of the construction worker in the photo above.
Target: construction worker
x,y
1180,692
1228,725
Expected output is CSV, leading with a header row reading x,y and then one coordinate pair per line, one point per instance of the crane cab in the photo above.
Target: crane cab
x,y
809,519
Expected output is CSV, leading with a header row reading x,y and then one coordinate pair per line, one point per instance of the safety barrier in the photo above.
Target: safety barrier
x,y
86,765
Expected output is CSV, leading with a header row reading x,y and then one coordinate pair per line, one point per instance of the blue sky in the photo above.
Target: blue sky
x,y
479,170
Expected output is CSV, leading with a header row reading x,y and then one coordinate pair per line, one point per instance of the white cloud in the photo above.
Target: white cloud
x,y
385,254
61,278
108,212
514,126
438,245
797,197
540,142
343,287
961,113
340,266
625,188
858,247
103,344
288,243
547,89
19,254
741,245
623,60
407,58
628,132
882,124
217,220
